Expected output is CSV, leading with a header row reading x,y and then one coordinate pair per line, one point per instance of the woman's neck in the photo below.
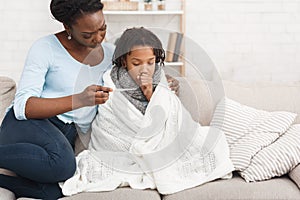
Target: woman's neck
x,y
83,54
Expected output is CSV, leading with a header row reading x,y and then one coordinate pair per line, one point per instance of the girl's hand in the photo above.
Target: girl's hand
x,y
146,81
92,95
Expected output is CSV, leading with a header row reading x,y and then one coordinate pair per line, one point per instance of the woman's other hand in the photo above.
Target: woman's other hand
x,y
173,84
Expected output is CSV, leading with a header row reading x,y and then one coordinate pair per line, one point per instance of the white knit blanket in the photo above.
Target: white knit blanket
x,y
163,149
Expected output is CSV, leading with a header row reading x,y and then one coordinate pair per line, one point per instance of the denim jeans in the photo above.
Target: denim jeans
x,y
40,152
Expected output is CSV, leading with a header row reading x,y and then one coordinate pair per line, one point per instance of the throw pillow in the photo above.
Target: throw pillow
x,y
249,130
277,159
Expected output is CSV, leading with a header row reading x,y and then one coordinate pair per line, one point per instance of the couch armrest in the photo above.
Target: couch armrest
x,y
7,93
295,175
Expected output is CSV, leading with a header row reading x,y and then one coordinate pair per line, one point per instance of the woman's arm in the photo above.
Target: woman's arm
x,y
41,108
41,71
33,77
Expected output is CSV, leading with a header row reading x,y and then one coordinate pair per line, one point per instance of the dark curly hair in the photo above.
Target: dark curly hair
x,y
137,37
68,11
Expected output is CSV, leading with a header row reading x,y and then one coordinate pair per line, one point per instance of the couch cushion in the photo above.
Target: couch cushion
x,y
262,144
242,123
200,97
276,159
118,194
295,175
267,96
7,93
236,188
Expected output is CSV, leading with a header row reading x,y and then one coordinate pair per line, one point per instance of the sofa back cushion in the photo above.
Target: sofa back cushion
x,y
7,93
196,97
201,97
266,96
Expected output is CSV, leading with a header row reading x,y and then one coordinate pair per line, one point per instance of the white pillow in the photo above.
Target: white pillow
x,y
277,159
248,130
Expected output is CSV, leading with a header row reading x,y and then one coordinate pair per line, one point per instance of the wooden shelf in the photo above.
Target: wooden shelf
x,y
142,12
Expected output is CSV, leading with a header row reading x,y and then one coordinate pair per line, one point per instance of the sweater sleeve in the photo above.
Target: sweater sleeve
x,y
33,76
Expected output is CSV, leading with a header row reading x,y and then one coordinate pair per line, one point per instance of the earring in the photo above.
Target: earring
x,y
69,36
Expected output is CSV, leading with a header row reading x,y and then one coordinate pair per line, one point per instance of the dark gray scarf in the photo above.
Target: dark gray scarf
x,y
122,79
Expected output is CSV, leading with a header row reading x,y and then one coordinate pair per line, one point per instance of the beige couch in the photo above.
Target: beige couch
x,y
200,98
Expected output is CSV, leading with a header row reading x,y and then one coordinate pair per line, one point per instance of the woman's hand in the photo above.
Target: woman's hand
x,y
173,84
145,81
92,95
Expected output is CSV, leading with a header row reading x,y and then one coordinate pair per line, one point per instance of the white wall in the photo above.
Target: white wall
x,y
22,22
247,39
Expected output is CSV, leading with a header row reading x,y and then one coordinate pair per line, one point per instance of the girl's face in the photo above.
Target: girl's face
x,y
140,62
90,29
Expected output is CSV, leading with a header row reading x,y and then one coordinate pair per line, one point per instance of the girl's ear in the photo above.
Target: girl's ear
x,y
123,62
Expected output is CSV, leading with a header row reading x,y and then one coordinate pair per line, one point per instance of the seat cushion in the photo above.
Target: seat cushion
x,y
118,194
236,188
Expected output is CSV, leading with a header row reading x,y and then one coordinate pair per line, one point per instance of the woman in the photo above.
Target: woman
x,y
60,87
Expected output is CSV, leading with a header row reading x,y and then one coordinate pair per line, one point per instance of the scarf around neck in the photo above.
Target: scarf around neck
x,y
122,79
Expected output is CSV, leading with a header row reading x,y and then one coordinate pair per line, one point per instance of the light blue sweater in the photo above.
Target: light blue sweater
x,y
50,72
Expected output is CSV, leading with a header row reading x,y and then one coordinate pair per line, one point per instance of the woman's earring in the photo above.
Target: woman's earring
x,y
69,36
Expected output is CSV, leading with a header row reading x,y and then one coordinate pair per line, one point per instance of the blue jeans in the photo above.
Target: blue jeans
x,y
40,152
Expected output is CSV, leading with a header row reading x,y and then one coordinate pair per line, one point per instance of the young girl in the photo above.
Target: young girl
x,y
137,60
143,136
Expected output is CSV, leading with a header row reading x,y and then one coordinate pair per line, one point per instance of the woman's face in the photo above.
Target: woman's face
x,y
90,29
140,61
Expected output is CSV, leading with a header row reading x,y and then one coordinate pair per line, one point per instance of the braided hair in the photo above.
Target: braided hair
x,y
68,11
137,37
